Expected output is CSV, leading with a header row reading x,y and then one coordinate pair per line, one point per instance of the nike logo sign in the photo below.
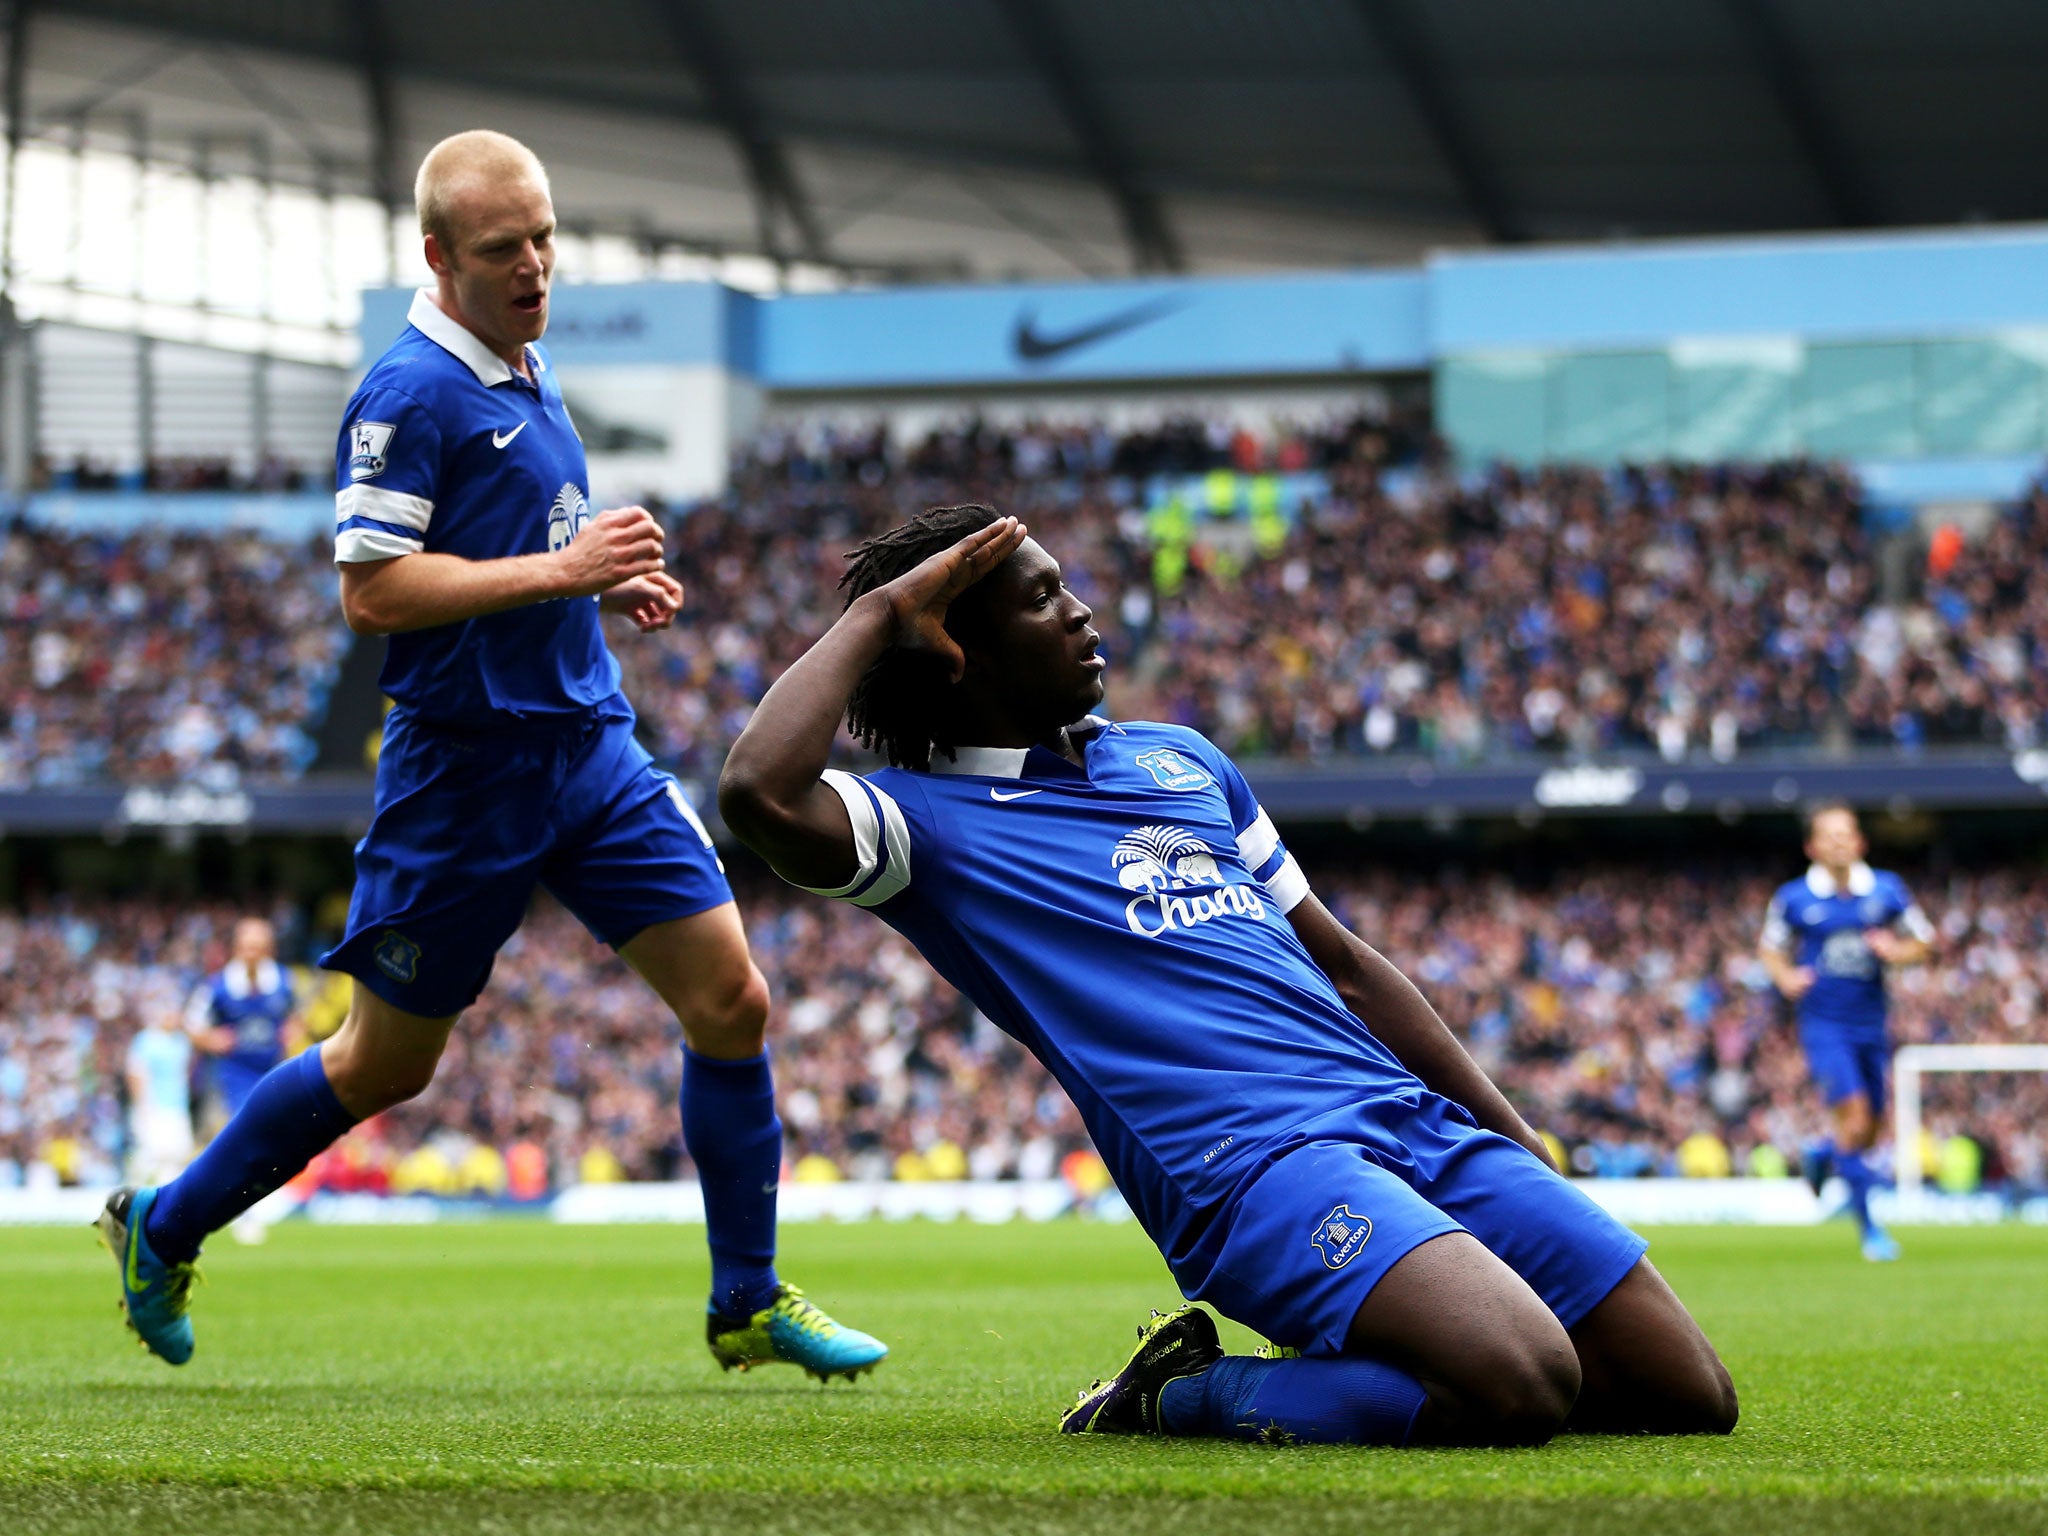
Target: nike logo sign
x,y
1035,346
500,439
1015,794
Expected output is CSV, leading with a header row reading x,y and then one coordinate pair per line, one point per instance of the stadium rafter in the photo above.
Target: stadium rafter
x,y
1230,135
719,76
1154,246
387,182
1398,33
1778,58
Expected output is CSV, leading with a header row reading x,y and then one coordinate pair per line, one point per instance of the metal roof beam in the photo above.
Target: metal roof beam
x,y
387,182
1778,60
717,73
1399,36
1154,247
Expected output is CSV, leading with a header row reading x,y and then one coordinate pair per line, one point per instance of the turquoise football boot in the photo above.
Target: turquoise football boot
x,y
154,1295
791,1329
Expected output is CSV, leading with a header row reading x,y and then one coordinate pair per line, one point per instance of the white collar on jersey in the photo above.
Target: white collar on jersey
x,y
1005,762
1862,881
455,338
240,983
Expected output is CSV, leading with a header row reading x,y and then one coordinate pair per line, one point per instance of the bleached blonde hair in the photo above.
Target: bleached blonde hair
x,y
462,159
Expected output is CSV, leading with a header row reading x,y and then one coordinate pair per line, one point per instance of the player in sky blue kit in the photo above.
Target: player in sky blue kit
x,y
1827,938
463,531
1311,1149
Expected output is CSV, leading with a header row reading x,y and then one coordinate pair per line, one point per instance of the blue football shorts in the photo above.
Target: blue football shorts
x,y
1846,1062
468,824
1311,1235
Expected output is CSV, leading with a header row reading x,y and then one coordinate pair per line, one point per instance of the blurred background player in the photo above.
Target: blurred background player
x,y
240,1018
1827,938
463,531
159,1069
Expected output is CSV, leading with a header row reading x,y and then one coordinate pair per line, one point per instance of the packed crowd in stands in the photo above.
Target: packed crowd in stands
x,y
1398,608
1358,598
161,656
178,472
1620,1005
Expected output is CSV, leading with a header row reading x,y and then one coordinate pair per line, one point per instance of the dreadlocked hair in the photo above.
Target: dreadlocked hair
x,y
894,708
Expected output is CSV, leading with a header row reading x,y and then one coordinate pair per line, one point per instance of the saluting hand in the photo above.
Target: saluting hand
x,y
614,547
651,601
918,599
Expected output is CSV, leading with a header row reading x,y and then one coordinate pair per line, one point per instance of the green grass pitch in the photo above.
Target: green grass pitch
x,y
522,1378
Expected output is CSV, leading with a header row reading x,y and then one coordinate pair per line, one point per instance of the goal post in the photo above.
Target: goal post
x,y
1912,1062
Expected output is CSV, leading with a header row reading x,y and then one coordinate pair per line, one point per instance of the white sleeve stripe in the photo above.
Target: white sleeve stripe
x,y
385,506
895,872
1255,844
867,833
1915,922
353,544
1777,932
1288,886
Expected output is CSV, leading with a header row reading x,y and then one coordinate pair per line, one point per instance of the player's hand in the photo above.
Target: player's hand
x,y
1886,945
614,547
217,1041
651,601
918,599
1798,982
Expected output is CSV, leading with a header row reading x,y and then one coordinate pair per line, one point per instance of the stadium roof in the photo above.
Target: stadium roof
x,y
1049,137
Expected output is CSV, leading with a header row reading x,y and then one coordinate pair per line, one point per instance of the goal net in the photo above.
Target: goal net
x,y
1915,1061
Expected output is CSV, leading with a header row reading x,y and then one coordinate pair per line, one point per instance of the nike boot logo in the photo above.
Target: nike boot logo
x,y
1033,346
1015,794
500,439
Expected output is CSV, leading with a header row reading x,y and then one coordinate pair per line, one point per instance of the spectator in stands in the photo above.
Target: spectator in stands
x,y
161,657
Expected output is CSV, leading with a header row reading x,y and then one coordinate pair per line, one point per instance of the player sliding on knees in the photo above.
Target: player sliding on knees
x,y
1309,1146
1845,922
508,763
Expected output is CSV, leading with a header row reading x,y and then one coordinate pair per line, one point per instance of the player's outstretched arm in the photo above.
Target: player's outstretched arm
x,y
1401,1019
419,591
771,792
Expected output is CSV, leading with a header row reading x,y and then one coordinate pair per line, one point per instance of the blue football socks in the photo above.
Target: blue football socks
x,y
1313,1402
288,1118
734,1137
1857,1175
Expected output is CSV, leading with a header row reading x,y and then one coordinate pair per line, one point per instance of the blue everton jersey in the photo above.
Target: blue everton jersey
x,y
254,1006
1821,927
1127,922
445,448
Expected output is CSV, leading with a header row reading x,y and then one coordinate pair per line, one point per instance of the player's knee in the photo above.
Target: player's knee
x,y
1525,1394
1711,1406
1520,1393
730,1020
368,1081
371,1087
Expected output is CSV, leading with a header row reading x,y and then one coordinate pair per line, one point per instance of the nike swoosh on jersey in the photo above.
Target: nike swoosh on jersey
x,y
1015,794
499,440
